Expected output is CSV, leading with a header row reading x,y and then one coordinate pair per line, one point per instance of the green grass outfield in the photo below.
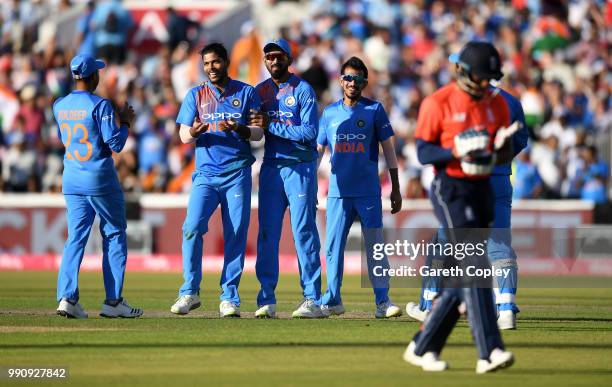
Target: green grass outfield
x,y
564,338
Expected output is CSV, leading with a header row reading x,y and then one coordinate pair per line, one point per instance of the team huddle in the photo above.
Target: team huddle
x,y
464,130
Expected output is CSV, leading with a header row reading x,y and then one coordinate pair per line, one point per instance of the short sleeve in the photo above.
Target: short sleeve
x,y
382,126
322,136
188,112
252,100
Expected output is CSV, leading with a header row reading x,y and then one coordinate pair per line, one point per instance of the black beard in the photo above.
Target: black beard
x,y
278,74
353,98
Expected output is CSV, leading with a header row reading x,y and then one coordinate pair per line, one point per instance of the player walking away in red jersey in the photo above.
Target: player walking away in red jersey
x,y
461,131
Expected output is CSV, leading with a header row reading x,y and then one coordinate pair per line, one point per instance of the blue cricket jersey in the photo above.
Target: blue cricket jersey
x,y
353,135
218,153
292,134
519,139
86,126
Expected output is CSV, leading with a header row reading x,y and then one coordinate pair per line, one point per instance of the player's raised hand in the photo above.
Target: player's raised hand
x,y
198,127
396,201
233,126
127,115
228,126
259,119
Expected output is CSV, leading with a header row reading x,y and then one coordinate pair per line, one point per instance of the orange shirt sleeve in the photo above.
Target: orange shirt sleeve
x,y
429,121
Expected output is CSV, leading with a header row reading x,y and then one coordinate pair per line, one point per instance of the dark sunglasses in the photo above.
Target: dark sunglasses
x,y
357,78
278,56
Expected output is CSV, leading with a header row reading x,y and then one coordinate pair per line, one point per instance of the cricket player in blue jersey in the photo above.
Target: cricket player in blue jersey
x,y
88,129
499,247
214,116
353,128
288,177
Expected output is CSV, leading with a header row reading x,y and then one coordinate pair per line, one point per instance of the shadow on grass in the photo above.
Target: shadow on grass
x,y
557,371
562,318
288,345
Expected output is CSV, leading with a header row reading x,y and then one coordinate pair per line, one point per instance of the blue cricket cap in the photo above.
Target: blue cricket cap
x,y
276,44
82,66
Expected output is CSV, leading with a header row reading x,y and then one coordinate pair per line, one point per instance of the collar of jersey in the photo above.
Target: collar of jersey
x,y
282,85
350,108
216,91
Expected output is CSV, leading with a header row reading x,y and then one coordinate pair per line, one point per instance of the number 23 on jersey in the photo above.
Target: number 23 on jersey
x,y
80,133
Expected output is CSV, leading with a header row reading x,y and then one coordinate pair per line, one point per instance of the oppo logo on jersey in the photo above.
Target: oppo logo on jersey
x,y
340,137
221,116
279,114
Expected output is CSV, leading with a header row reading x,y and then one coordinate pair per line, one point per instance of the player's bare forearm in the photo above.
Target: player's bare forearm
x,y
396,195
184,133
321,152
391,160
389,153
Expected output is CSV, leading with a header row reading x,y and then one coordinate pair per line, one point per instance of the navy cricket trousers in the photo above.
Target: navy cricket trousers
x,y
465,210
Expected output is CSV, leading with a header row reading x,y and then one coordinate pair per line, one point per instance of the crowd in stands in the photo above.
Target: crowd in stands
x,y
556,61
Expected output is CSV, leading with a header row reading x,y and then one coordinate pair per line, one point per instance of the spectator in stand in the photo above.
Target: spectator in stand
x,y
86,40
32,116
595,176
555,58
180,28
112,23
19,165
526,181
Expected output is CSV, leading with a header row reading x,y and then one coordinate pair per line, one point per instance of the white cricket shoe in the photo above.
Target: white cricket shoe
x,y
308,309
185,304
66,309
335,310
266,311
428,362
229,309
122,309
506,320
413,310
387,309
498,360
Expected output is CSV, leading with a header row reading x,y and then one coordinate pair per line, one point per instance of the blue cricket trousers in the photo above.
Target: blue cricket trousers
x,y
293,186
80,213
233,193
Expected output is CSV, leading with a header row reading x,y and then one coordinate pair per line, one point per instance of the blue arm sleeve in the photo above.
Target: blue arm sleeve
x,y
187,113
308,128
519,139
59,132
430,153
322,136
112,135
382,125
253,102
